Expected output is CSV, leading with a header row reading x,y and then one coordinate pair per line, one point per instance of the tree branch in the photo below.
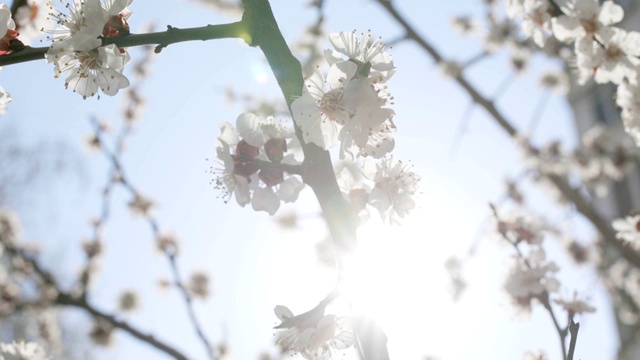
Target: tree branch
x,y
162,39
64,298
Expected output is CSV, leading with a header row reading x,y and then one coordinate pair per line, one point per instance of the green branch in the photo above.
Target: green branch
x,y
162,39
317,167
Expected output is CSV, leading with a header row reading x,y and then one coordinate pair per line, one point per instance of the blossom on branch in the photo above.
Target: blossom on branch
x,y
575,306
394,189
314,335
76,45
254,156
531,278
349,104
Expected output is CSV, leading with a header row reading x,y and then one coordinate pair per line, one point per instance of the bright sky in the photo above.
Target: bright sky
x,y
253,264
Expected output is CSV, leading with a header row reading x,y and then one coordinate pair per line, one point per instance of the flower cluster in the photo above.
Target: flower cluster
x,y
76,46
531,278
601,51
602,158
258,163
519,227
348,105
313,334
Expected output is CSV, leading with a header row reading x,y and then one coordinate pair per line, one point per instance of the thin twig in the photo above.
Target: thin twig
x,y
173,264
462,130
537,112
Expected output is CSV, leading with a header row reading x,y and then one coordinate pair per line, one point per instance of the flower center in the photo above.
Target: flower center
x,y
590,26
90,59
613,52
331,104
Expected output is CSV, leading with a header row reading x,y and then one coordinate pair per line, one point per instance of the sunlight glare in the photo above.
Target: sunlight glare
x,y
398,278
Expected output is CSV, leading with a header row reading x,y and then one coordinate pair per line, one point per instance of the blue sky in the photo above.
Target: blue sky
x,y
254,265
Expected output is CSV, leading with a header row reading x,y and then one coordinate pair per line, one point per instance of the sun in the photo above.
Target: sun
x,y
397,277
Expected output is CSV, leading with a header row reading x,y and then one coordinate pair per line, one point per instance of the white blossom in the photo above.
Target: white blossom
x,y
531,277
76,47
363,50
395,187
20,350
536,20
586,19
321,111
314,335
628,229
575,305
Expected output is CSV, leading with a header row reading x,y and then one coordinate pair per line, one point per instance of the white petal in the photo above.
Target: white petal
x,y
340,73
566,28
610,13
264,199
249,128
282,312
289,189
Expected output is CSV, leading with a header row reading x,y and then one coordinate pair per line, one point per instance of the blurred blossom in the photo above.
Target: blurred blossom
x,y
128,301
555,81
141,205
535,355
313,335
168,243
101,333
199,284
20,350
628,229
531,278
464,25
575,305
450,69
